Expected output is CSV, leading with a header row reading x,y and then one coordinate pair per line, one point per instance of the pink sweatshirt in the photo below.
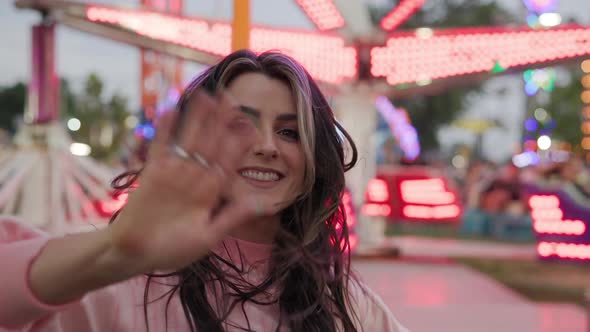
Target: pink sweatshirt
x,y
119,307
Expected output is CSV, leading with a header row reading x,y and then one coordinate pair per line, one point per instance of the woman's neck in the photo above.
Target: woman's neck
x,y
262,230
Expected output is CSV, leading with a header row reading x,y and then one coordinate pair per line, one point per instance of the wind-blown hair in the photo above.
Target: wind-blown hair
x,y
309,268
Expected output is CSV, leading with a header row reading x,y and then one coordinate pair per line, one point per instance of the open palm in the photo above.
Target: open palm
x,y
171,219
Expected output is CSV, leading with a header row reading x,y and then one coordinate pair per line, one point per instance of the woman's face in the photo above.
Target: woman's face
x,y
272,166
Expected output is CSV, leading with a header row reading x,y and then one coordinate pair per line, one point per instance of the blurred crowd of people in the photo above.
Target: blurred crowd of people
x,y
495,196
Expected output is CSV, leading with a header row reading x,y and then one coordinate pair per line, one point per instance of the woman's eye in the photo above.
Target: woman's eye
x,y
289,133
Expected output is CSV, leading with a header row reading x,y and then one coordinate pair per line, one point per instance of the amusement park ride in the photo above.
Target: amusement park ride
x,y
353,60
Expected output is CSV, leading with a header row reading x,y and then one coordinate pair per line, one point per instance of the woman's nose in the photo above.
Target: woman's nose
x,y
266,146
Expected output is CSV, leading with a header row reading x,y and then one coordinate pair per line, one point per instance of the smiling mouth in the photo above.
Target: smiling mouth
x,y
263,176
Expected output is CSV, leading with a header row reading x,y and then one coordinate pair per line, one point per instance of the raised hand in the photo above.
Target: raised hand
x,y
169,220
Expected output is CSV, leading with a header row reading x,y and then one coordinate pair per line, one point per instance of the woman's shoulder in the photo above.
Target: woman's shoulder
x,y
372,314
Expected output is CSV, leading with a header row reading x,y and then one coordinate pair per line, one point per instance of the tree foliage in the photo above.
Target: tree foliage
x,y
565,106
12,105
102,121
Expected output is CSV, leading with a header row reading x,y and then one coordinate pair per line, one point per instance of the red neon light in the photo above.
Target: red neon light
x,y
548,217
400,14
547,214
377,191
353,241
427,191
564,250
348,209
431,212
325,56
544,202
112,206
468,51
568,227
323,13
194,33
376,210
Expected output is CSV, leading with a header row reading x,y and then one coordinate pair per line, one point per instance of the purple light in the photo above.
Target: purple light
x,y
149,131
531,88
531,124
540,6
401,129
526,158
173,95
146,131
545,131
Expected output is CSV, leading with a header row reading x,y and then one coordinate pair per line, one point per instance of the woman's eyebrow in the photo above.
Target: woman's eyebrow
x,y
255,114
252,113
287,117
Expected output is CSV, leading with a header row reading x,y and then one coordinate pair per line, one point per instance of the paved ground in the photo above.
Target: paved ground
x,y
448,297
435,247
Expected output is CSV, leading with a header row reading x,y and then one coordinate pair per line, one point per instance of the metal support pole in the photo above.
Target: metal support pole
x,y
241,25
43,92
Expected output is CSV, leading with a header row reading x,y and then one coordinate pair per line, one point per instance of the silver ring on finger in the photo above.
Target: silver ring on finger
x,y
194,157
180,152
200,159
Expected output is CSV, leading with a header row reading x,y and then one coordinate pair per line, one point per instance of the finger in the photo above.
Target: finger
x,y
226,102
193,121
233,215
164,131
212,132
215,126
231,105
234,134
229,153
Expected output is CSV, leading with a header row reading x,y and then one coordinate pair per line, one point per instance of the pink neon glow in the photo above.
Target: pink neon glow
x,y
112,206
323,13
564,250
568,227
548,217
377,191
427,191
353,241
376,210
350,216
431,212
325,56
400,14
544,201
476,50
547,214
401,127
348,210
194,33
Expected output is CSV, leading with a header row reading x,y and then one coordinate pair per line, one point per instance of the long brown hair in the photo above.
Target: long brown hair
x,y
311,250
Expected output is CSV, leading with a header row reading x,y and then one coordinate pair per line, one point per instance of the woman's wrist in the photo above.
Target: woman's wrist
x,y
71,266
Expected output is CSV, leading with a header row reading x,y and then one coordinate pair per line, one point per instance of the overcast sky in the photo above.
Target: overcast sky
x,y
79,54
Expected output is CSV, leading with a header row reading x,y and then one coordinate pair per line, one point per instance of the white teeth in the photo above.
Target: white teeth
x,y
260,176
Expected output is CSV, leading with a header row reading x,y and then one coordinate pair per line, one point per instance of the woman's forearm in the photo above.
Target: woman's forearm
x,y
69,267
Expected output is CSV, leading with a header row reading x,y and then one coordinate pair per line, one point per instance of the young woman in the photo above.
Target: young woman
x,y
236,223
